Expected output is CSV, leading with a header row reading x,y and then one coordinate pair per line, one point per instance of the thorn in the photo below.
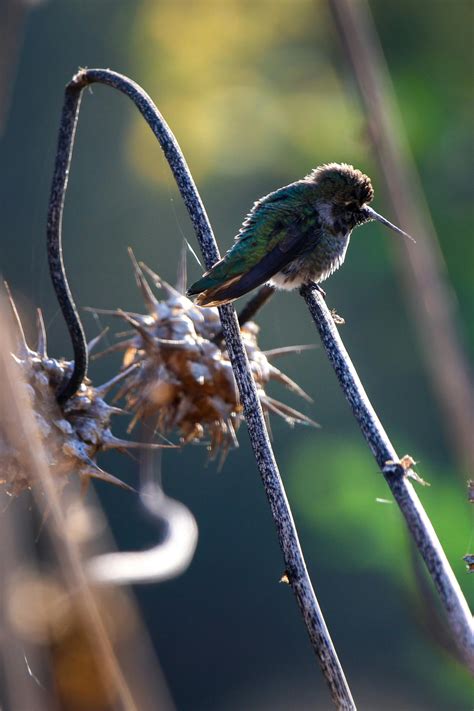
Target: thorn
x,y
102,390
92,344
42,343
275,352
22,344
151,302
111,442
125,334
96,472
128,386
272,405
137,416
169,290
153,275
162,436
122,346
112,312
232,433
117,410
129,318
285,578
290,384
224,450
161,283
104,312
288,413
149,338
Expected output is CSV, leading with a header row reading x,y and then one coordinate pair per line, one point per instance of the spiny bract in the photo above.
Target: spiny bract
x,y
184,379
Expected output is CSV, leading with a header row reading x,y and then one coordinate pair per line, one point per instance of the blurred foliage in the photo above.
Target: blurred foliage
x,y
237,81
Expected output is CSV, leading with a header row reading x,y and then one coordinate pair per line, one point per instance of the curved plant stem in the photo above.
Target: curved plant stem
x,y
175,549
294,562
396,476
23,432
67,132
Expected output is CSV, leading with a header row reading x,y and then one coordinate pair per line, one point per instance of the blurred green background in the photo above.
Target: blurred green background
x,y
258,93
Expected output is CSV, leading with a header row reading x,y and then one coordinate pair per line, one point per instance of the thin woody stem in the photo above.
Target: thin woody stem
x,y
67,132
419,525
22,431
293,557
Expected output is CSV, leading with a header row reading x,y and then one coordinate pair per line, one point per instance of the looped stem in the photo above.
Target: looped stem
x,y
67,132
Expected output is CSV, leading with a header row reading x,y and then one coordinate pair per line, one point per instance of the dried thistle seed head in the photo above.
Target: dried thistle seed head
x,y
72,434
184,379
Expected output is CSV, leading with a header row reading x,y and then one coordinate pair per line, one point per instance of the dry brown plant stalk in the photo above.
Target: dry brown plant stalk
x,y
20,429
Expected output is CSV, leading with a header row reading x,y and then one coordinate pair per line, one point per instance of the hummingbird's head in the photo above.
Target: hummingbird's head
x,y
345,191
344,194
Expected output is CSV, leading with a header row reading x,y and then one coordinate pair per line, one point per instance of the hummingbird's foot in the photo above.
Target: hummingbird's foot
x,y
313,285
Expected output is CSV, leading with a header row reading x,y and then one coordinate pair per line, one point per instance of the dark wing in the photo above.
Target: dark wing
x,y
281,255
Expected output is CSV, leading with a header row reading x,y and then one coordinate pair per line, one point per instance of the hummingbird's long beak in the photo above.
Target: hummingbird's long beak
x,y
370,214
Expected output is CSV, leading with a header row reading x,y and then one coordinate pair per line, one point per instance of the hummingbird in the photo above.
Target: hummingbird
x,y
292,236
